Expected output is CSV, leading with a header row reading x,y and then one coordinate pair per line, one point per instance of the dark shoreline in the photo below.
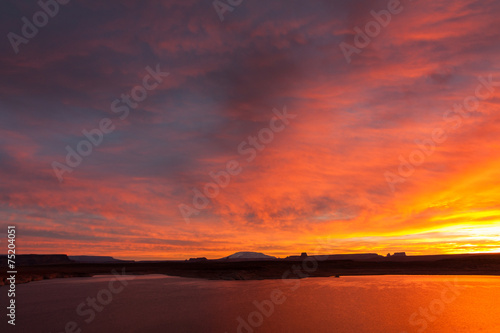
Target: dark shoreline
x,y
270,269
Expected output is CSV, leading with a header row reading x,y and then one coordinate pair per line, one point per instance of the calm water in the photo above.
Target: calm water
x,y
349,304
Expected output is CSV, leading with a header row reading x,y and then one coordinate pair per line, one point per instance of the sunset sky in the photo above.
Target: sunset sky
x,y
330,180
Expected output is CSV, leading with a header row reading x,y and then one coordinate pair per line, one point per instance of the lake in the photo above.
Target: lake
x,y
158,303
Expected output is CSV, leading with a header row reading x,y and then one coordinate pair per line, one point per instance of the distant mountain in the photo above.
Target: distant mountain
x,y
97,259
248,256
353,257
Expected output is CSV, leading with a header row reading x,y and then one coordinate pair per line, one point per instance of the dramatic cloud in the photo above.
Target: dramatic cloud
x,y
317,181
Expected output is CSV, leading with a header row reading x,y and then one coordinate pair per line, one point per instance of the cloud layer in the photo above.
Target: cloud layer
x,y
318,185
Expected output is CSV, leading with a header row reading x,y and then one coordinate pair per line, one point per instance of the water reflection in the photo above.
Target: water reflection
x,y
349,304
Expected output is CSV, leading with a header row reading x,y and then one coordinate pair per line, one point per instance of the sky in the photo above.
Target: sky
x,y
178,129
